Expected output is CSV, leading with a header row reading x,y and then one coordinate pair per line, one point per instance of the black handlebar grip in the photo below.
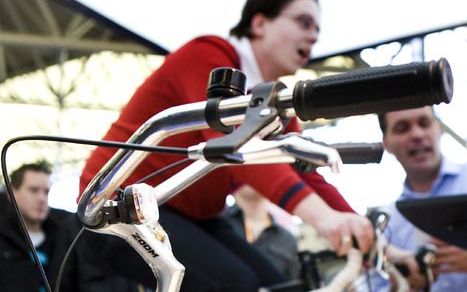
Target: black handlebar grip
x,y
359,153
374,90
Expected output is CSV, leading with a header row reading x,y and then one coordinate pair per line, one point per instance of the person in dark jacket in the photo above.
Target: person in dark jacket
x,y
51,232
81,272
18,272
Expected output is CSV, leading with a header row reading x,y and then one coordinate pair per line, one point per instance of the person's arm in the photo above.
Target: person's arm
x,y
192,86
334,225
309,196
285,186
325,190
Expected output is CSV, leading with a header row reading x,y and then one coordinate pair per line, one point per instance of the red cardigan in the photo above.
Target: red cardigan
x,y
183,79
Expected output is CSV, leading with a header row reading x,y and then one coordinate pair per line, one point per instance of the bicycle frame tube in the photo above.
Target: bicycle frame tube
x,y
169,122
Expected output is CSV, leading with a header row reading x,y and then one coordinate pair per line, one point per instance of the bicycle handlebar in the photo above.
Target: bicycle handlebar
x,y
359,153
431,84
374,90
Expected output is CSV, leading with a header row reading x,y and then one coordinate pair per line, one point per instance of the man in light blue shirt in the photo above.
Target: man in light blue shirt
x,y
413,136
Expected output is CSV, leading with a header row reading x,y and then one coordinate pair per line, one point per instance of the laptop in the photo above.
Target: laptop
x,y
442,217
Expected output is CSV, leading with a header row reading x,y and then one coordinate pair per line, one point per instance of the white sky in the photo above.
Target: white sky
x,y
345,24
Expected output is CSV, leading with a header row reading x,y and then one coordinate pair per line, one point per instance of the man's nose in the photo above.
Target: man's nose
x,y
417,132
43,195
312,36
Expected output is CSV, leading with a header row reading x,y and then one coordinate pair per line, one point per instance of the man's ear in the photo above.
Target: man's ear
x,y
257,25
386,145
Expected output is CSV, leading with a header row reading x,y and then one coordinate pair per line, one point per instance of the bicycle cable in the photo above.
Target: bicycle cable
x,y
65,259
111,144
163,169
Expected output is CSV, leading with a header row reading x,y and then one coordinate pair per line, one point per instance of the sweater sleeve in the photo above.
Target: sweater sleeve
x,y
286,187
279,182
183,79
325,190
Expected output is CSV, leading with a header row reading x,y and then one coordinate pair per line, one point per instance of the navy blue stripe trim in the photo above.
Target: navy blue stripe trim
x,y
290,193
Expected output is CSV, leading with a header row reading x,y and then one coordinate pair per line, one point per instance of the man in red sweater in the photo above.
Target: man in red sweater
x,y
272,39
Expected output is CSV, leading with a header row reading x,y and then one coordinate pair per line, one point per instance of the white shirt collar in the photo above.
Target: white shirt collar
x,y
448,168
248,63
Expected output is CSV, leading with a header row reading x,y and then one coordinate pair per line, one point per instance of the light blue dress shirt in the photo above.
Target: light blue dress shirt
x,y
452,180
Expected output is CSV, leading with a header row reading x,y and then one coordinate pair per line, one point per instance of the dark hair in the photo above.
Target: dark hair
x,y
382,122
269,8
17,176
384,125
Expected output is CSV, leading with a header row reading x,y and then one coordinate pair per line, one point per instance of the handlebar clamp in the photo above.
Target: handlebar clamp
x,y
260,112
223,83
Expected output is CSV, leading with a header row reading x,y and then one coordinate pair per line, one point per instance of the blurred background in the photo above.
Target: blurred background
x,y
68,66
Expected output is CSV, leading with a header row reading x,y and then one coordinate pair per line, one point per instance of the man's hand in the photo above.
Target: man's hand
x,y
404,257
337,227
449,258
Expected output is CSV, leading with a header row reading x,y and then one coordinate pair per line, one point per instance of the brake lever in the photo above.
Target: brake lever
x,y
291,147
287,149
377,255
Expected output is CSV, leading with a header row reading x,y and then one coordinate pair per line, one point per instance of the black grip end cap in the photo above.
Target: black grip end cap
x,y
442,81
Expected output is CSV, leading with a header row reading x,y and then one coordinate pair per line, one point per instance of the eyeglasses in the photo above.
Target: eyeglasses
x,y
304,21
